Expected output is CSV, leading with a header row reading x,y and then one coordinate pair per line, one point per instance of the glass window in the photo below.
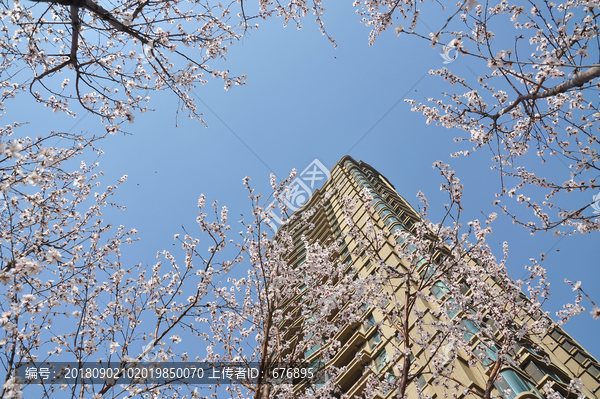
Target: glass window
x,y
391,220
439,288
529,348
488,356
469,328
384,303
537,372
464,288
315,365
322,378
396,229
452,308
374,340
556,335
580,358
421,381
512,384
301,261
399,240
381,359
298,235
594,370
534,371
385,212
387,386
399,338
369,321
312,350
568,346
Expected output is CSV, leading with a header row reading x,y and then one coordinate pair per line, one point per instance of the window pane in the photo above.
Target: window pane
x,y
381,360
452,308
488,357
534,372
322,378
312,350
580,358
395,229
401,241
512,384
493,352
538,371
389,385
439,288
568,346
369,321
375,339
556,335
390,220
469,328
594,370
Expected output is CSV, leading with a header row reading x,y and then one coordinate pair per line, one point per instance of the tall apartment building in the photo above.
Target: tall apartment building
x,y
550,360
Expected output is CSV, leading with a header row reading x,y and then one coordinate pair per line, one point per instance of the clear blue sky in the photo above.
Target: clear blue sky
x,y
306,100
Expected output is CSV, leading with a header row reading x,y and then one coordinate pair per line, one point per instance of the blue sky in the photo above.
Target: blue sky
x,y
305,99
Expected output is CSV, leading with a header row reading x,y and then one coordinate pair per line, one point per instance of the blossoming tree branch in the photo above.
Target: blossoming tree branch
x,y
535,96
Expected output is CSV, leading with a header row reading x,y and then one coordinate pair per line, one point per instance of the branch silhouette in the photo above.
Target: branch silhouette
x,y
98,10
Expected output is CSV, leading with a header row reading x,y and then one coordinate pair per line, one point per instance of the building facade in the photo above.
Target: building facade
x,y
539,365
